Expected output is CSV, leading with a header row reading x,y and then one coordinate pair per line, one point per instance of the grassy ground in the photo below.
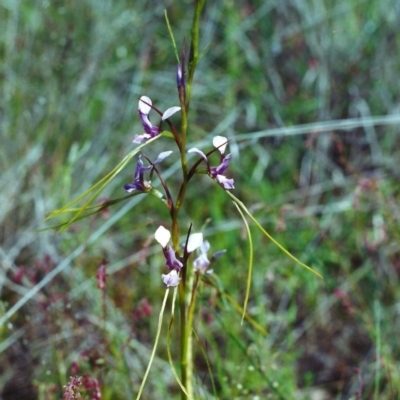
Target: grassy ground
x,y
308,93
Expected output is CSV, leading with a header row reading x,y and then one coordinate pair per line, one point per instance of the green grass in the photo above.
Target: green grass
x,y
308,93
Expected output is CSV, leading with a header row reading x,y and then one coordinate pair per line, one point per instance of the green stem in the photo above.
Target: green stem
x,y
192,285
194,48
184,344
186,285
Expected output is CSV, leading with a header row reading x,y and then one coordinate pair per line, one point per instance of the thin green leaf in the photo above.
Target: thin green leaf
x,y
237,307
98,187
210,373
105,204
250,270
172,36
160,317
243,207
244,349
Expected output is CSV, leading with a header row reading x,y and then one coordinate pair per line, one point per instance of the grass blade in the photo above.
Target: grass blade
x,y
250,270
290,255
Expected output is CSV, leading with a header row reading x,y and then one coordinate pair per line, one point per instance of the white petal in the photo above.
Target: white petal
x,y
209,271
205,246
197,151
162,156
194,242
162,236
218,141
172,279
171,111
141,138
143,107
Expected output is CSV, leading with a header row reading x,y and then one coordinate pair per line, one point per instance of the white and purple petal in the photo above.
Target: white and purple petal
x,y
179,76
205,246
140,168
148,127
170,259
130,187
225,182
201,263
172,279
141,138
218,254
221,168
144,105
144,109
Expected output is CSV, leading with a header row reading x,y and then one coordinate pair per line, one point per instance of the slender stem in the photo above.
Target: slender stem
x,y
193,282
194,47
183,141
186,285
182,309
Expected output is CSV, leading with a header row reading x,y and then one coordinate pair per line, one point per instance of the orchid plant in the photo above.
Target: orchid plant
x,y
184,270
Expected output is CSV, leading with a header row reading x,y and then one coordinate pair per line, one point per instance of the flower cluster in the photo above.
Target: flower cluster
x,y
163,236
217,173
173,262
72,388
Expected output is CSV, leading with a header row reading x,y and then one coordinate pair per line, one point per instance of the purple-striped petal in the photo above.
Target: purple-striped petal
x,y
130,187
170,259
225,182
141,138
220,170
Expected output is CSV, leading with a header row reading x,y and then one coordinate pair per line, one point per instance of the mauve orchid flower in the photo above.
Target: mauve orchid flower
x,y
218,172
150,130
172,279
139,183
201,263
163,236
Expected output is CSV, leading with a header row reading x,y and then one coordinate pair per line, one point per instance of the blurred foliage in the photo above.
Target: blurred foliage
x,y
71,73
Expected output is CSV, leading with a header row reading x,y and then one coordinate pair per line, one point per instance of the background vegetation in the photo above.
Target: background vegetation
x,y
308,93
